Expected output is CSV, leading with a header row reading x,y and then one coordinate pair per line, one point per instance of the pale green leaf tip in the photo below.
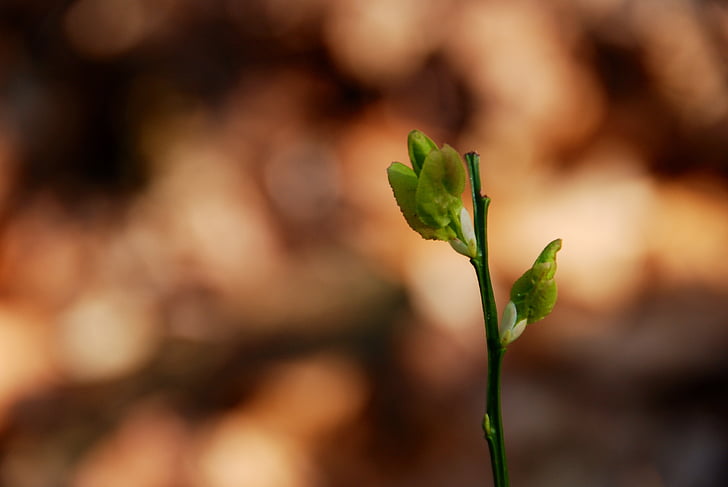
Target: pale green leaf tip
x,y
548,254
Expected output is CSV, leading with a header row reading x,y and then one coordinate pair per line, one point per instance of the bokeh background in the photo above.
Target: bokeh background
x,y
205,280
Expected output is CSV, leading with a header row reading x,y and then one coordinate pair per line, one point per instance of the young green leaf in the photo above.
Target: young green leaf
x,y
441,183
534,293
403,181
419,146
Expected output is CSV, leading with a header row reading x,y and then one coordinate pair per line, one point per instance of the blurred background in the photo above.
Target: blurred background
x,y
205,280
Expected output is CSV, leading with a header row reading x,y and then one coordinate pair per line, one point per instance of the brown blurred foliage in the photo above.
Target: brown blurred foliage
x,y
205,281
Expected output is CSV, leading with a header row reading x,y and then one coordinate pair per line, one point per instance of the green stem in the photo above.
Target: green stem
x,y
493,422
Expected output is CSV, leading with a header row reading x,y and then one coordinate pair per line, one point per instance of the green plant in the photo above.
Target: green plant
x,y
429,194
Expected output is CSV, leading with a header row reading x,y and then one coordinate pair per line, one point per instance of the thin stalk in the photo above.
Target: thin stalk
x,y
492,422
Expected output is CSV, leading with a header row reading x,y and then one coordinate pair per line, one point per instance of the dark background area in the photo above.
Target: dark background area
x,y
205,280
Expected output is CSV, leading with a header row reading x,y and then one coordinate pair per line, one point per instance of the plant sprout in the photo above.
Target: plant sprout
x,y
429,194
